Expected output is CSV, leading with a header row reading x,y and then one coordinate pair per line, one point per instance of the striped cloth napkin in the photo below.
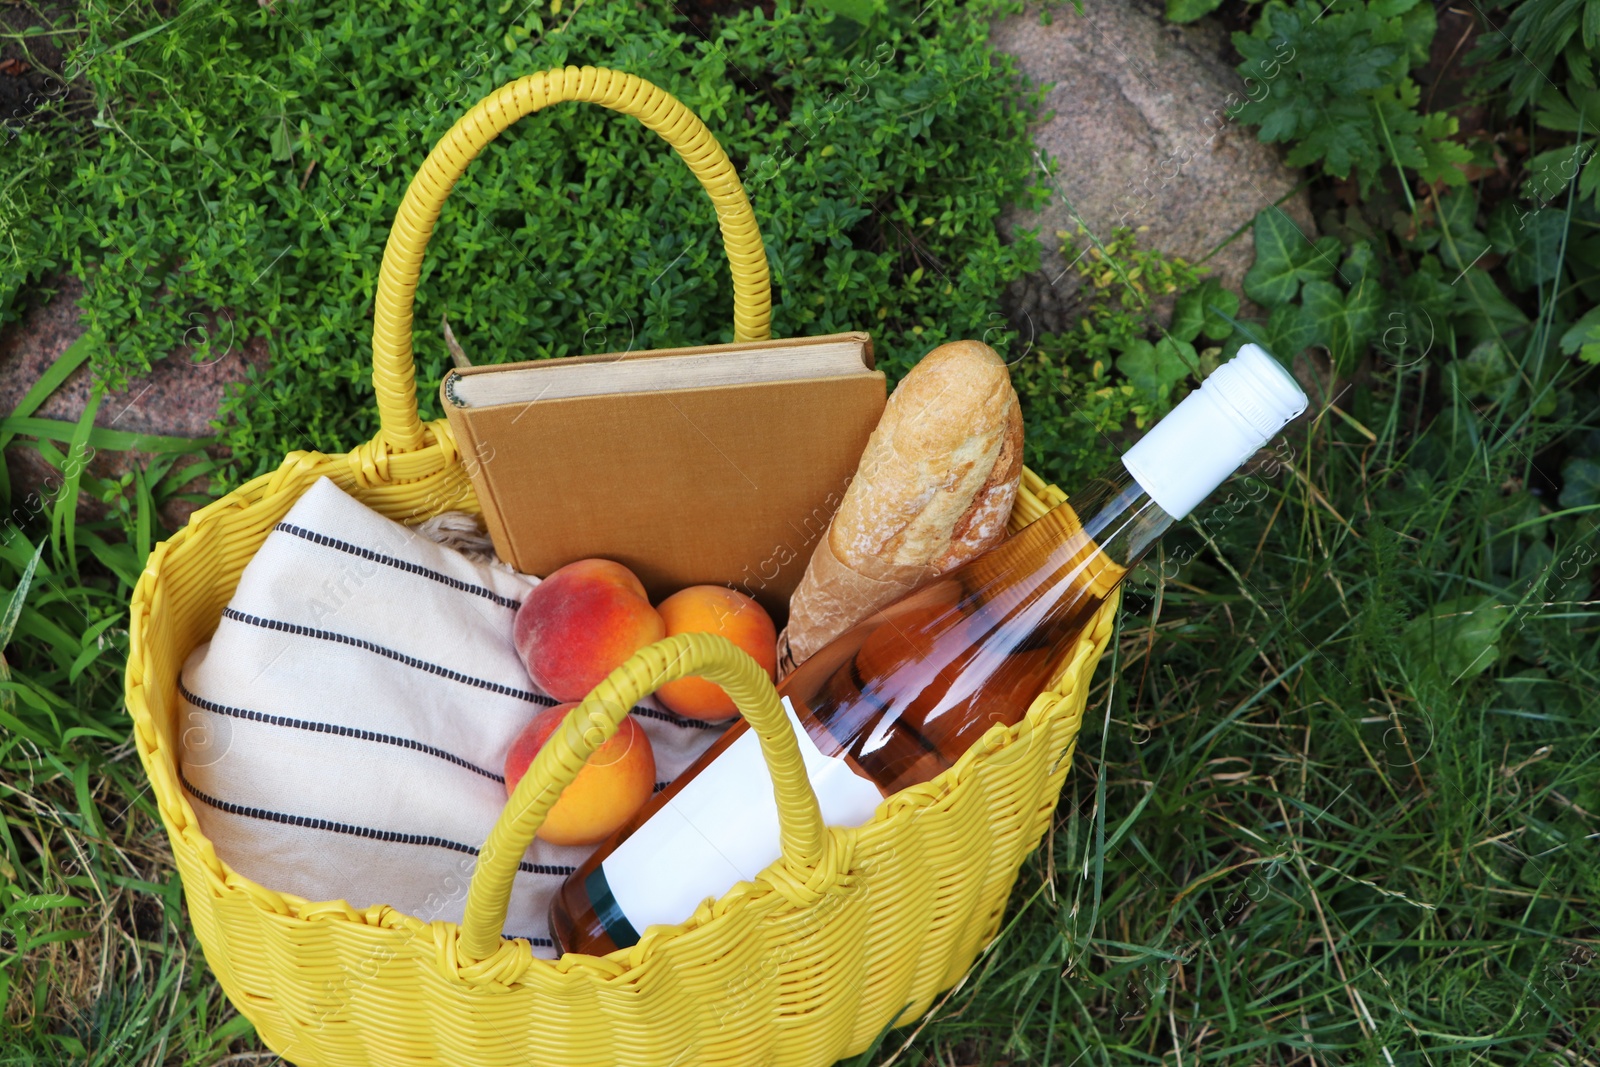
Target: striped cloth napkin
x,y
345,730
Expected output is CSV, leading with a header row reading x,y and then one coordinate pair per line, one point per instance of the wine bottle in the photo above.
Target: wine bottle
x,y
899,697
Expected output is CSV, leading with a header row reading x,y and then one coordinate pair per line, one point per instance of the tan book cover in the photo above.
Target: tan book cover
x,y
726,484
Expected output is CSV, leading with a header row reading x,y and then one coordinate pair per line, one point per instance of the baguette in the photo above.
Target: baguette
x,y
934,488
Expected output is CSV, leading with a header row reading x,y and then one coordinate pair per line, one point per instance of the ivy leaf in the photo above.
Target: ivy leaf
x,y
1462,242
1153,369
1486,371
1419,314
1583,338
1458,638
1189,10
1285,258
1344,323
1188,316
1287,332
1220,306
1580,483
1482,308
1202,310
1506,225
1530,241
1359,263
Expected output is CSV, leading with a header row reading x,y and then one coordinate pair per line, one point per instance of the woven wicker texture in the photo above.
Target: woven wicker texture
x,y
850,930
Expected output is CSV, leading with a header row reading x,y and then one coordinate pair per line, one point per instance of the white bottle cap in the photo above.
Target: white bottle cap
x,y
1214,429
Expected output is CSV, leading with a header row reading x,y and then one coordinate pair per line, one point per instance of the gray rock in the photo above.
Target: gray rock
x,y
178,398
1140,138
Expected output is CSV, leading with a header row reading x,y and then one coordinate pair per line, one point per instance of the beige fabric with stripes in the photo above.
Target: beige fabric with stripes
x,y
344,730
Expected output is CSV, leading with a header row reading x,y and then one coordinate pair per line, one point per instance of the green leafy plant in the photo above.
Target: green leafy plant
x,y
263,181
1342,320
1335,85
1439,272
1449,278
1541,41
1583,339
1189,10
1544,59
1158,370
1334,799
1116,370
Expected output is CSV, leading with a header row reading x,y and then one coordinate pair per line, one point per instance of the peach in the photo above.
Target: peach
x,y
613,785
713,609
581,623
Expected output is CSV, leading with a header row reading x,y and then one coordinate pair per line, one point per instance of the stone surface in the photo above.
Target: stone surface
x,y
1139,138
178,398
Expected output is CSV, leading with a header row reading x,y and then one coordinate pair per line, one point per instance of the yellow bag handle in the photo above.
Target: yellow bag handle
x,y
393,372
803,836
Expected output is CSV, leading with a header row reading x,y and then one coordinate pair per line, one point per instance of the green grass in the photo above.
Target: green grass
x,y
96,965
1336,800
1328,810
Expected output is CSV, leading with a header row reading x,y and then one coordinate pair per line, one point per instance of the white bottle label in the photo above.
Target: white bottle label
x,y
721,828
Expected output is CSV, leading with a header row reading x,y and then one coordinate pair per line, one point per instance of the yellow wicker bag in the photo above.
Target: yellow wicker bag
x,y
851,930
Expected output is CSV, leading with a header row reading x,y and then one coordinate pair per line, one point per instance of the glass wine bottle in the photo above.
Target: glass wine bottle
x,y
899,697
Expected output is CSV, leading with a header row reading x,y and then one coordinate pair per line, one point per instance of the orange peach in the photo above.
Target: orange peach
x,y
713,609
581,623
613,785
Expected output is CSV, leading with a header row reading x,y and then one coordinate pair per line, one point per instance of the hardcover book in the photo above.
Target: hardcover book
x,y
719,464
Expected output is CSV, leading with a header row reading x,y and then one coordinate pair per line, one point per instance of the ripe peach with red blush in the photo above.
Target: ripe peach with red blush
x,y
613,785
581,623
714,609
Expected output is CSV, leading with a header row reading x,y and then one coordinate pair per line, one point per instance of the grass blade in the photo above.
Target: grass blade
x,y
64,518
70,360
100,438
19,596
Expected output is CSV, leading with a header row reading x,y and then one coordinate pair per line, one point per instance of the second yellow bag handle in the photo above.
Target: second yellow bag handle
x,y
393,372
803,837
